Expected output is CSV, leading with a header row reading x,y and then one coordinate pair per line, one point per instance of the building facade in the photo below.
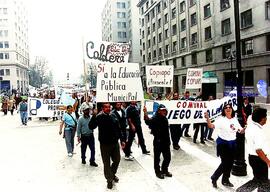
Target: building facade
x,y
14,48
120,24
201,34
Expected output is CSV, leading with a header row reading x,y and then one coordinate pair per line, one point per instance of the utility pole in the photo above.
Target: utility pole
x,y
239,166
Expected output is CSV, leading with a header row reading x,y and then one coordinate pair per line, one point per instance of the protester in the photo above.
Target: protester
x,y
5,105
175,129
134,122
69,123
227,126
86,135
185,127
199,126
88,103
247,109
258,160
160,129
11,105
208,132
76,105
109,132
23,111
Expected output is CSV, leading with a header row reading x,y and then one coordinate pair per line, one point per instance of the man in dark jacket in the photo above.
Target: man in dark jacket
x,y
109,133
160,129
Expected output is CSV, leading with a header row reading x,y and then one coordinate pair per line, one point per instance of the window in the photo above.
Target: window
x,y
208,56
148,31
174,46
154,54
183,25
174,29
225,50
207,33
193,38
153,13
183,61
148,43
246,19
143,45
149,57
166,18
154,40
154,26
160,52
121,15
1,45
6,33
174,63
268,44
147,18
267,10
119,34
248,77
124,24
144,58
159,22
4,11
166,49
226,27
183,42
159,37
124,34
147,5
6,55
166,35
184,78
118,5
2,73
7,72
182,6
17,72
247,47
1,55
165,4
194,58
119,25
173,13
207,11
193,19
224,4
192,2
158,8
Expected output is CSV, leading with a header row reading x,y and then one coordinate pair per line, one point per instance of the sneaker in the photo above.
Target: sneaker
x,y
109,184
211,139
167,174
227,183
176,147
93,164
202,142
70,154
116,179
146,152
214,183
83,161
187,135
129,158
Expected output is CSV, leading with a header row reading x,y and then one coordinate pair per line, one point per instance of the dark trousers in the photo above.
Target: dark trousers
x,y
131,136
176,133
163,149
226,154
185,127
88,141
260,173
110,152
197,127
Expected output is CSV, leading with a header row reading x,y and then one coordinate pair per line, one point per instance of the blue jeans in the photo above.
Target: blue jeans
x,y
24,117
69,138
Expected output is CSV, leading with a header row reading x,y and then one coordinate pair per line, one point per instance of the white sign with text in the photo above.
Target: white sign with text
x,y
194,78
159,76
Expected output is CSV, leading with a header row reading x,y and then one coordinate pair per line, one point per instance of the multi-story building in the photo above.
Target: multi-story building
x,y
201,34
14,50
120,24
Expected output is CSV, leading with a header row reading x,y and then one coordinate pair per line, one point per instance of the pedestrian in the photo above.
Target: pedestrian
x,y
109,132
257,157
11,105
227,126
160,129
86,135
134,122
86,103
5,105
175,129
23,111
69,123
199,126
247,109
76,105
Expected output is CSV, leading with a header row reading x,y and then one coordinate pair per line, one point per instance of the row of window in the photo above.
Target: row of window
x,y
121,5
4,56
247,49
4,72
3,11
4,44
3,33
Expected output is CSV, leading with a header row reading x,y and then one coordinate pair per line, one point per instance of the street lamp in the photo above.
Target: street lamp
x,y
239,166
231,56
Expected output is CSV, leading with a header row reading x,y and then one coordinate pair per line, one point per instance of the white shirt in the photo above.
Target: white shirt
x,y
227,128
119,112
254,137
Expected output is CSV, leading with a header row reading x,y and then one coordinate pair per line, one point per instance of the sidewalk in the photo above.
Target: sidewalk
x,y
34,159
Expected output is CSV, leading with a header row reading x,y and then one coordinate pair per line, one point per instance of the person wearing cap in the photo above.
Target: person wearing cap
x,y
160,129
86,135
86,103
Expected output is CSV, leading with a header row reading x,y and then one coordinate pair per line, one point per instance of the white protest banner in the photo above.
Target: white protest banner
x,y
182,111
107,52
45,108
159,76
119,82
194,78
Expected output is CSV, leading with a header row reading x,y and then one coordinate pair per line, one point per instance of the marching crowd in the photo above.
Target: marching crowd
x,y
122,121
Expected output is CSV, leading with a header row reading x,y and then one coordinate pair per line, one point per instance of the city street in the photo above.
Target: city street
x,y
34,158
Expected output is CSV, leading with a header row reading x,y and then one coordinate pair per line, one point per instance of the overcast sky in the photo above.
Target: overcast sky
x,y
56,30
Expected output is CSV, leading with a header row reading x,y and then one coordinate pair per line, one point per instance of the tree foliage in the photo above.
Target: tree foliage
x,y
39,73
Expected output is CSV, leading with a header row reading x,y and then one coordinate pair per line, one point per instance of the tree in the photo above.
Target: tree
x,y
39,73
